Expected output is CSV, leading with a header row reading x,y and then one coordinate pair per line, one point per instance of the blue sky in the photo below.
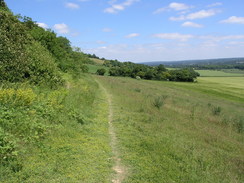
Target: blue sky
x,y
144,30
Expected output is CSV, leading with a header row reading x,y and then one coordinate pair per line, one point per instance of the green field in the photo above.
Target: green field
x,y
221,73
227,88
179,132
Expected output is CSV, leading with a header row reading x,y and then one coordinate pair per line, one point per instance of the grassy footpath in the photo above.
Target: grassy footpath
x,y
173,132
76,145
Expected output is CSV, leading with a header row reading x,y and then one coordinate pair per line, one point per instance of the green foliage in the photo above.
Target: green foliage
x,y
3,6
129,69
240,125
31,53
101,71
22,58
159,101
7,147
67,59
62,135
42,68
13,58
216,110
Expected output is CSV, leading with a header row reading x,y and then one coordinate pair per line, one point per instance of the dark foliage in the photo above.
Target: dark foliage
x,y
129,69
101,71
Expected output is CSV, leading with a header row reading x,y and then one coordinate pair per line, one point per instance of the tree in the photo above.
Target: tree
x,y
161,68
3,5
101,71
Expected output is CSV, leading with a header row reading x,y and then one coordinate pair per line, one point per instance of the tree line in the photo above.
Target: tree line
x,y
129,69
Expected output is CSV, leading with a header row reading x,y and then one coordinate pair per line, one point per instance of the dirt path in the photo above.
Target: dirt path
x,y
120,170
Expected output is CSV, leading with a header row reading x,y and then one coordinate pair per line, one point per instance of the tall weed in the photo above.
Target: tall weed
x,y
159,101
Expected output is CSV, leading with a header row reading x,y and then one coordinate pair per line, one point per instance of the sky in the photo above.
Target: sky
x,y
143,30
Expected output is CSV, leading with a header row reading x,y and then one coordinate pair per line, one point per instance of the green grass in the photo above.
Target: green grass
x,y
238,71
93,69
76,144
196,135
220,73
228,88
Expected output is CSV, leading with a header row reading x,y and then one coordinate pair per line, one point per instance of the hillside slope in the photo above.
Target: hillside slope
x,y
173,132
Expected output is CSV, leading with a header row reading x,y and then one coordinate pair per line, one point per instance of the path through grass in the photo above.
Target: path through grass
x,y
192,137
119,168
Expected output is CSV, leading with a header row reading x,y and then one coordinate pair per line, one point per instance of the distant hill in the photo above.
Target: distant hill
x,y
220,61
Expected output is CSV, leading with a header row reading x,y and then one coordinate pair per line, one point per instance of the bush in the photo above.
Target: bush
x,y
216,110
158,102
101,71
18,97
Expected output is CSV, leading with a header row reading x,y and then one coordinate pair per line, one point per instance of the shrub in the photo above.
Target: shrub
x,y
137,90
18,97
158,102
138,77
101,71
216,110
240,125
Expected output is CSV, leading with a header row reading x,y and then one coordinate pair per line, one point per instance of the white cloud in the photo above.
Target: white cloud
x,y
182,17
173,6
191,24
132,35
101,42
197,15
178,6
222,38
43,25
202,14
215,4
115,8
234,20
174,36
61,28
107,30
72,6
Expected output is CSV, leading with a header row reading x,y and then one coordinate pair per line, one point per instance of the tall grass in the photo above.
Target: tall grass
x,y
184,142
55,135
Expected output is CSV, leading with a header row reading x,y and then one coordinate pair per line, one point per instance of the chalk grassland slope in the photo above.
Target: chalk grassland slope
x,y
170,132
221,73
75,144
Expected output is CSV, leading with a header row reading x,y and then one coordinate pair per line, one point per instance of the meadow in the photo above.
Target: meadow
x,y
221,73
179,132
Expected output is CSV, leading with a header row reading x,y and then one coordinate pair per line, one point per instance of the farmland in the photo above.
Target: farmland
x,y
221,73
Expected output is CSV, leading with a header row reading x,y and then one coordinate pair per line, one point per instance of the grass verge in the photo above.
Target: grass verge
x,y
75,145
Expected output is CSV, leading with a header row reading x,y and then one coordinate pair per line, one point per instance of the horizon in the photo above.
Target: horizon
x,y
142,31
193,59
